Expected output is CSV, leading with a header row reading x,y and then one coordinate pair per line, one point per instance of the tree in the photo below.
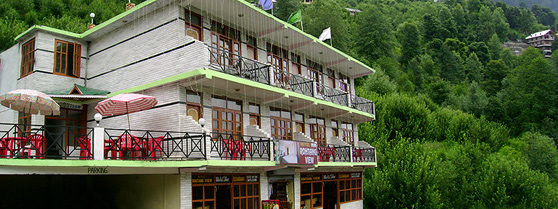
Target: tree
x,y
284,8
494,47
374,38
473,68
328,14
496,71
481,49
409,37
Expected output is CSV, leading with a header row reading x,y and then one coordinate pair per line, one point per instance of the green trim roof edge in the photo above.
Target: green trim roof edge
x,y
210,73
137,7
132,163
306,34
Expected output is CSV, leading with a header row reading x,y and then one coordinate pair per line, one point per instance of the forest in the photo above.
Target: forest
x,y
461,121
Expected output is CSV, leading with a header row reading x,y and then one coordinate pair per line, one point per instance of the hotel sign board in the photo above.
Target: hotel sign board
x,y
295,152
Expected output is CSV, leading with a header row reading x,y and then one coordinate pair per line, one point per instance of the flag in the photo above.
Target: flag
x,y
266,4
325,35
295,17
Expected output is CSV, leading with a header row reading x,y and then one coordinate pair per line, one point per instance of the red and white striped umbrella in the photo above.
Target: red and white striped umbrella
x,y
125,103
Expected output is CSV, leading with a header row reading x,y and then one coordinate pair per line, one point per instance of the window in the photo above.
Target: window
x,y
330,78
24,121
194,105
334,128
252,47
311,191
347,131
344,83
225,42
295,59
27,58
212,191
316,73
350,187
254,114
299,122
281,124
278,57
227,117
194,25
317,130
67,58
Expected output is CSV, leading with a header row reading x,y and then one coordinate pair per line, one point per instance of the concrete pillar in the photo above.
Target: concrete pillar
x,y
98,143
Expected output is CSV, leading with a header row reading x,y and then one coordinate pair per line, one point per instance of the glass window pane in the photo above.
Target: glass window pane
x,y
249,190
236,191
197,193
209,194
306,188
243,190
317,187
256,189
341,185
305,201
197,204
317,200
342,196
209,205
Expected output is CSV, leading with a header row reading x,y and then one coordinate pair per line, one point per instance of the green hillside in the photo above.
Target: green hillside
x,y
529,3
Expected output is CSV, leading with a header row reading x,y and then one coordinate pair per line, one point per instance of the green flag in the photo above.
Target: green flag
x,y
295,17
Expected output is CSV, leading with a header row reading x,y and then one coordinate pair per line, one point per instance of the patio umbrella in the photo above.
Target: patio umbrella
x,y
30,101
125,104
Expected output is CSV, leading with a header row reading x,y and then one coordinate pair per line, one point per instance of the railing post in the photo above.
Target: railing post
x,y
98,143
351,159
349,100
314,89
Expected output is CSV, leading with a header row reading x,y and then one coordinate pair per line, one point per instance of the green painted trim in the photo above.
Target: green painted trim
x,y
163,81
87,32
49,29
209,74
72,101
287,25
131,163
116,18
347,164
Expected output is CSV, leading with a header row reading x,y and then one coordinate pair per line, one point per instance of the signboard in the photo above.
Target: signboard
x,y
70,105
311,177
343,176
294,152
239,178
252,178
222,179
330,176
202,179
355,175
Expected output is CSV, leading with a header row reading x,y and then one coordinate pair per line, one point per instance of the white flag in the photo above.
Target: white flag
x,y
325,35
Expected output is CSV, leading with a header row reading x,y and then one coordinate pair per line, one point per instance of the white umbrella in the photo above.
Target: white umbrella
x,y
30,101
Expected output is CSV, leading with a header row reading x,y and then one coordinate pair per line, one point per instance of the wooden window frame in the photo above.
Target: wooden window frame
x,y
344,83
74,71
295,60
234,121
256,195
193,26
317,130
300,122
252,43
27,58
348,134
275,123
312,193
193,104
335,128
256,116
354,191
316,73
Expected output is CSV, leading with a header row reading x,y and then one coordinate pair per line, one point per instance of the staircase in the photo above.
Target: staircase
x,y
301,137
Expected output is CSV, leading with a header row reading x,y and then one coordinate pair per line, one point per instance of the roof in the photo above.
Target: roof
x,y
538,34
353,10
309,44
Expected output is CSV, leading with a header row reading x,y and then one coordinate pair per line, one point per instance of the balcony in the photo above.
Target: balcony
x,y
233,64
81,143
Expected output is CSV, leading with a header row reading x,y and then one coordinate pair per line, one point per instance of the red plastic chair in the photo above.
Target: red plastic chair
x,y
35,143
236,149
357,155
84,148
128,143
154,146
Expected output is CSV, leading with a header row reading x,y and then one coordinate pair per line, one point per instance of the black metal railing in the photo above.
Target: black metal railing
x,y
333,95
154,145
235,147
230,63
45,141
362,104
364,155
292,82
233,64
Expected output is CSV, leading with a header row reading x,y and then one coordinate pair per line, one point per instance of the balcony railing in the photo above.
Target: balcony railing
x,y
153,145
233,64
234,147
334,153
364,155
45,141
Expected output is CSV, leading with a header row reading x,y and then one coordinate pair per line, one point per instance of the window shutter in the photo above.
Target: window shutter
x,y
77,60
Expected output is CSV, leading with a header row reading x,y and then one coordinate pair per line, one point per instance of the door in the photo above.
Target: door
x,y
330,195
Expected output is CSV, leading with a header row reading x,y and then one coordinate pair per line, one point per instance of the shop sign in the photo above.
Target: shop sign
x,y
344,175
222,179
294,152
314,177
70,106
202,179
239,178
252,178
355,175
329,176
